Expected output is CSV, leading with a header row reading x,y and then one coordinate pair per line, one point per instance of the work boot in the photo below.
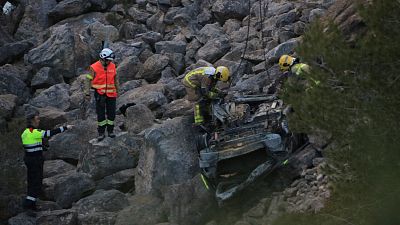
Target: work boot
x,y
101,137
30,207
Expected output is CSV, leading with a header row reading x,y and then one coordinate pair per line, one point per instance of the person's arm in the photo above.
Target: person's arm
x,y
50,133
88,82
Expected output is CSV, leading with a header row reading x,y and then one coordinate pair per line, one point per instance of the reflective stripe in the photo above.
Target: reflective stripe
x,y
34,149
88,76
108,90
33,145
198,118
62,129
188,81
31,198
204,181
110,122
102,123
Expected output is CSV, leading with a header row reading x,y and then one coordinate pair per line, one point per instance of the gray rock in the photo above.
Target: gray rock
x,y
56,52
129,30
170,47
17,70
22,219
102,201
176,108
315,14
231,25
175,90
153,67
210,31
251,84
130,85
139,95
102,218
213,50
169,152
177,61
123,181
138,15
35,18
69,145
56,96
299,28
100,5
235,9
77,97
68,187
7,105
170,14
241,34
126,49
284,48
55,167
143,210
191,50
150,37
109,156
304,159
50,117
128,69
189,202
278,8
44,78
61,217
13,51
10,84
286,18
138,118
155,22
69,8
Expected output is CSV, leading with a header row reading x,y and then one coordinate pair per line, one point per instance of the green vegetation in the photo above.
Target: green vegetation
x,y
357,102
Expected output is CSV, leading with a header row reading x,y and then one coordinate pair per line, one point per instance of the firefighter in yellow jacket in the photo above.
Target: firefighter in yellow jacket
x,y
32,142
293,65
103,79
200,87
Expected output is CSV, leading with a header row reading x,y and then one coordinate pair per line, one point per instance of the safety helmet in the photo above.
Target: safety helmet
x,y
107,54
285,62
222,73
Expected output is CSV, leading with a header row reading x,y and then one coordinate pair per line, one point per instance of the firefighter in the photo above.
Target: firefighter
x,y
293,65
33,145
103,78
200,87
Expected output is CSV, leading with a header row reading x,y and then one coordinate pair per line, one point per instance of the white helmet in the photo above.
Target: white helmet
x,y
107,54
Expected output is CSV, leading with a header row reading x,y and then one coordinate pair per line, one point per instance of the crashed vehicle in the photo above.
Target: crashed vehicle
x,y
246,139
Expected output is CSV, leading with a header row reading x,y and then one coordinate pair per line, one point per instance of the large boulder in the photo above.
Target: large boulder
x,y
169,155
150,37
56,96
50,117
45,78
143,210
189,202
156,23
176,108
10,84
138,118
17,70
210,31
69,145
170,47
123,181
57,52
126,49
69,8
251,84
128,69
7,105
55,167
130,85
138,15
61,217
284,48
129,30
235,9
153,67
13,51
102,201
140,95
213,49
98,218
68,187
109,156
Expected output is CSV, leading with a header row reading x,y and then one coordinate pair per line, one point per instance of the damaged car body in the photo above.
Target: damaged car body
x,y
246,139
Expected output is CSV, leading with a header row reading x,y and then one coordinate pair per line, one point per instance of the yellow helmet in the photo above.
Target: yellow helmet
x,y
285,62
222,73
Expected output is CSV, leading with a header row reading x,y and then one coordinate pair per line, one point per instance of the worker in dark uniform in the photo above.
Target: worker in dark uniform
x,y
33,145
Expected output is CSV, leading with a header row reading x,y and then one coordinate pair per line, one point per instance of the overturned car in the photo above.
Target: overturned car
x,y
247,138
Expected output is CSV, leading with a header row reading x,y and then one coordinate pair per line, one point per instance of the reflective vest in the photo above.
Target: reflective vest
x,y
103,81
300,69
32,139
195,77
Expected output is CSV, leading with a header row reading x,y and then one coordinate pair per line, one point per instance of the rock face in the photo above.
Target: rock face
x,y
138,118
123,181
10,84
110,156
56,96
12,51
225,10
7,105
55,167
169,156
102,201
44,78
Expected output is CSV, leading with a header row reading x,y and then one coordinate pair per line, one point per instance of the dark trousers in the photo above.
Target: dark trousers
x,y
105,109
34,165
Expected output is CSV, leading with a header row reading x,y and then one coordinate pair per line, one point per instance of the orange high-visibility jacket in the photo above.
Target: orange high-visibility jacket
x,y
103,81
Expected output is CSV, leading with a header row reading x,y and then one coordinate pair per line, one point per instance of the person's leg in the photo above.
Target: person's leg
x,y
33,182
110,106
101,116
